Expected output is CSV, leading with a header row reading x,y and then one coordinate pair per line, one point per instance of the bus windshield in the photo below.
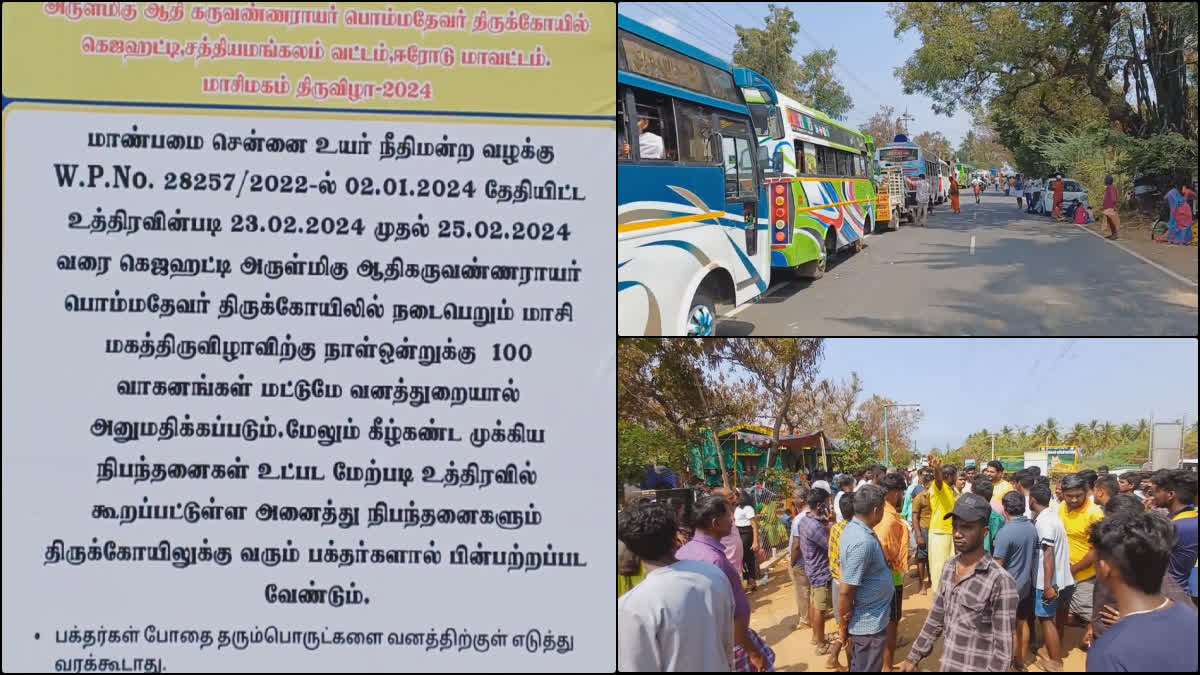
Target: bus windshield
x,y
766,119
898,154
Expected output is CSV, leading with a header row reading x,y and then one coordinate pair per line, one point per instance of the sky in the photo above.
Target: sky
x,y
864,69
966,384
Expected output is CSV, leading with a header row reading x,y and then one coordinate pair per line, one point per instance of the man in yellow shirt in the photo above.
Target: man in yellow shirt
x,y
995,473
941,534
1077,515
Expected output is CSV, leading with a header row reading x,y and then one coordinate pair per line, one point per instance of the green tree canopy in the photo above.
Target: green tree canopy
x,y
768,50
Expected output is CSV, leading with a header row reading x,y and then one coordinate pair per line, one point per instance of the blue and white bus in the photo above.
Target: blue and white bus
x,y
914,161
691,218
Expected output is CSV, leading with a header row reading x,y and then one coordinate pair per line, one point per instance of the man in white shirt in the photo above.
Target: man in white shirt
x,y
650,144
680,617
922,200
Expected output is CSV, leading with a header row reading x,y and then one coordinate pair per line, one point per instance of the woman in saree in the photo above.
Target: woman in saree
x,y
954,195
1180,224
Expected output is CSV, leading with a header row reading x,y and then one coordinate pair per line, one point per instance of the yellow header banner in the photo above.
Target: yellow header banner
x,y
445,57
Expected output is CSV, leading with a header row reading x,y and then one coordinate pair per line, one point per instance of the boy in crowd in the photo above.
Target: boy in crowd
x,y
1105,608
1153,633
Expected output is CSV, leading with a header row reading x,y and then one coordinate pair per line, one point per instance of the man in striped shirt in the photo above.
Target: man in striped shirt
x,y
976,601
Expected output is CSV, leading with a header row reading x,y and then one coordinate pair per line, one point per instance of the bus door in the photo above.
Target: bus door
x,y
739,158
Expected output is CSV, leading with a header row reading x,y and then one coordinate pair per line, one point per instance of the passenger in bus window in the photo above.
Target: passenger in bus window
x,y
650,144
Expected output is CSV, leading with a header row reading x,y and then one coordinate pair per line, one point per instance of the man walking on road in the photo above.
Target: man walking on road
x,y
1018,187
922,211
976,602
976,185
1110,206
1037,196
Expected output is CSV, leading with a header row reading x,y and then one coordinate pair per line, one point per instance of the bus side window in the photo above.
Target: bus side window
x,y
810,159
655,121
696,140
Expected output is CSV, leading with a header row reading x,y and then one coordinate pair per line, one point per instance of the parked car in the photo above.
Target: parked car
x,y
1072,189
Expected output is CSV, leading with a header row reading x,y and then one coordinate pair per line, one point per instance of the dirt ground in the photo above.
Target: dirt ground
x,y
1134,233
773,616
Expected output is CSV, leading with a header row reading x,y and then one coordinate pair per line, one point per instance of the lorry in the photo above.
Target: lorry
x,y
890,205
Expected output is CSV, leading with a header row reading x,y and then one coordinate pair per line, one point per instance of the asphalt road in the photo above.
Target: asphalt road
x,y
1027,275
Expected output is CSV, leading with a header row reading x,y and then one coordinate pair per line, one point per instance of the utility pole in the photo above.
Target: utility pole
x,y
886,449
993,445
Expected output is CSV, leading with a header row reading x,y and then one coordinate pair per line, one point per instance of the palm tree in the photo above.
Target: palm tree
x,y
1039,434
1126,432
1093,426
1077,435
1022,435
1143,427
1051,431
1108,434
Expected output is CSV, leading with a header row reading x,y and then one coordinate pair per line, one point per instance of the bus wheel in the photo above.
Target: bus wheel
x,y
858,243
701,317
813,269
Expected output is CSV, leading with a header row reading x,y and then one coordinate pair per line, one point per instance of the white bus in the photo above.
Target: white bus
x,y
691,222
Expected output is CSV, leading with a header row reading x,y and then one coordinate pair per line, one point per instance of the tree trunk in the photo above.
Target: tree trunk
x,y
721,461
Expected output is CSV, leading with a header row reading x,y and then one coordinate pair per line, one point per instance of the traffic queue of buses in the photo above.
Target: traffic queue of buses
x,y
723,182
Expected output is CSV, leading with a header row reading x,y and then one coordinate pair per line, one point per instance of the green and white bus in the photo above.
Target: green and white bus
x,y
820,192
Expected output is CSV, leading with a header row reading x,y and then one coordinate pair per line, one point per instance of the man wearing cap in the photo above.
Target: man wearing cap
x,y
975,604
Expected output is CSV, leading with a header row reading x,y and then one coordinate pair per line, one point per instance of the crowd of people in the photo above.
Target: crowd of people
x,y
1010,560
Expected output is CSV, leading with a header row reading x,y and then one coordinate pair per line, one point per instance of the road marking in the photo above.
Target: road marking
x,y
1138,256
972,244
